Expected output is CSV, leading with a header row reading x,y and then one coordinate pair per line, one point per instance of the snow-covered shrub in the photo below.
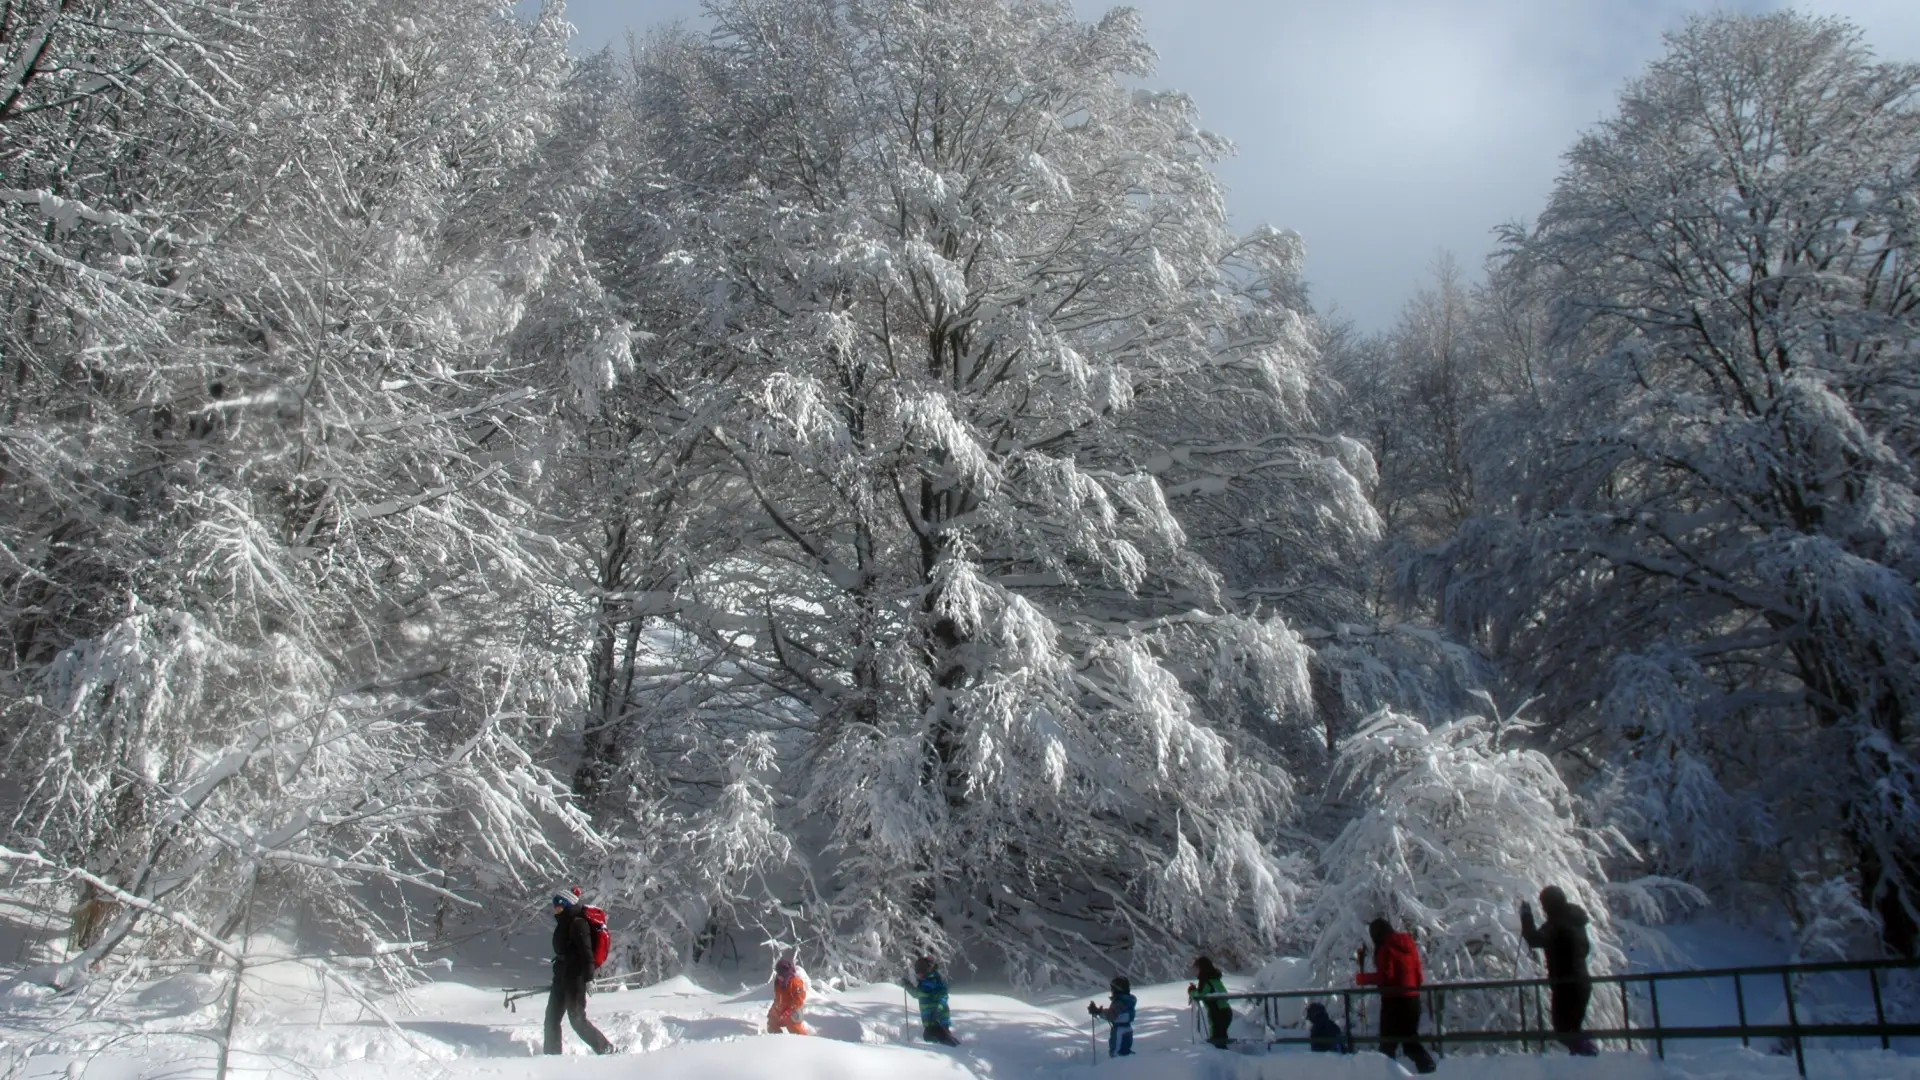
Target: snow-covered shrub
x,y
1454,827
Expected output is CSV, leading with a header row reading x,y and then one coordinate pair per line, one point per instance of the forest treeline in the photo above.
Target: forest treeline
x,y
836,481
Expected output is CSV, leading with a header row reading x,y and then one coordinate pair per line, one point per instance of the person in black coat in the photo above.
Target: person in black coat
x,y
1563,937
572,972
1323,1034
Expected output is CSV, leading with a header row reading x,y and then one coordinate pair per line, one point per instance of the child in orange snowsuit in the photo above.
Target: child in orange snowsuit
x,y
789,997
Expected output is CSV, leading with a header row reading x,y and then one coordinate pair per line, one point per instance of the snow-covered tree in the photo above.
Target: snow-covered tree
x,y
280,613
1412,397
925,276
1699,543
1411,394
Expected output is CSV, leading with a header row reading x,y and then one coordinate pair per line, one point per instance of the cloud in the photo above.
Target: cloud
x,y
1385,130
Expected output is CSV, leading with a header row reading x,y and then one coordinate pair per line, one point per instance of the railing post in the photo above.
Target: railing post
x,y
1659,1039
1346,1006
1520,992
1793,1023
1439,1021
1626,1013
1740,1002
1879,1010
1540,1013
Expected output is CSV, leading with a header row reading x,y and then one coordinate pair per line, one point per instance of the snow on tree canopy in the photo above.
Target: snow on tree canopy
x,y
937,279
1698,533
269,578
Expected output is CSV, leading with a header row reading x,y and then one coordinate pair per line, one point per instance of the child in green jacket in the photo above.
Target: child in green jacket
x,y
1219,1013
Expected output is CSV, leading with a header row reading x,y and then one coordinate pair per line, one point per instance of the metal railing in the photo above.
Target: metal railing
x,y
1535,1031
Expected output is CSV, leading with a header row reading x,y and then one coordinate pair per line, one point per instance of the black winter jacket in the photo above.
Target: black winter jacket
x,y
1564,939
572,947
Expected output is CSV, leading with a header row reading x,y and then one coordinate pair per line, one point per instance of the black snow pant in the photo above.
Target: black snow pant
x,y
1218,1018
569,996
938,1033
1568,1010
1400,1026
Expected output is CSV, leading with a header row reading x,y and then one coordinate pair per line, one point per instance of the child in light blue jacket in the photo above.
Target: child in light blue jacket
x,y
1119,1013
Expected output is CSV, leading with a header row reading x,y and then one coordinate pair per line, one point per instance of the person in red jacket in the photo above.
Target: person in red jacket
x,y
1396,971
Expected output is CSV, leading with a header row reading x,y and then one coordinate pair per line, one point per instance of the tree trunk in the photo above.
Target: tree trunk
x,y
601,749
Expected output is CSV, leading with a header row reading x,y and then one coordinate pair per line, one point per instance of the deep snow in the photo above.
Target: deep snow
x,y
681,1030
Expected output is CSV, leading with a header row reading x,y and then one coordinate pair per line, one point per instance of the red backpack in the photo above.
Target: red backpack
x,y
597,921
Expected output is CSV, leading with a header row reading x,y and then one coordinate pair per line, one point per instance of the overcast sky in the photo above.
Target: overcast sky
x,y
1385,131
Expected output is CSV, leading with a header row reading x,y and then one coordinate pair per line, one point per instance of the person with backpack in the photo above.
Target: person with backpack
x,y
1323,1034
1208,980
1563,937
929,988
1118,1013
789,997
574,962
1396,971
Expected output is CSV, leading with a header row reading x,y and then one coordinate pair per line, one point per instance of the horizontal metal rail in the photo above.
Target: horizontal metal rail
x,y
1624,977
1435,994
1731,1031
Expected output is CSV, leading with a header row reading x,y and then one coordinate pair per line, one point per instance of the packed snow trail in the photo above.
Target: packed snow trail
x,y
678,1030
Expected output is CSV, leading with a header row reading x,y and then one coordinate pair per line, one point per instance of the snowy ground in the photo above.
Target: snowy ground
x,y
165,1029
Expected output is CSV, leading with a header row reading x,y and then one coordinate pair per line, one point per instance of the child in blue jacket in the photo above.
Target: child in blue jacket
x,y
930,989
1119,1013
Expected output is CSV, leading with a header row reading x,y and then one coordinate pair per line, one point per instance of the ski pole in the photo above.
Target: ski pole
x,y
602,983
1093,1038
514,995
